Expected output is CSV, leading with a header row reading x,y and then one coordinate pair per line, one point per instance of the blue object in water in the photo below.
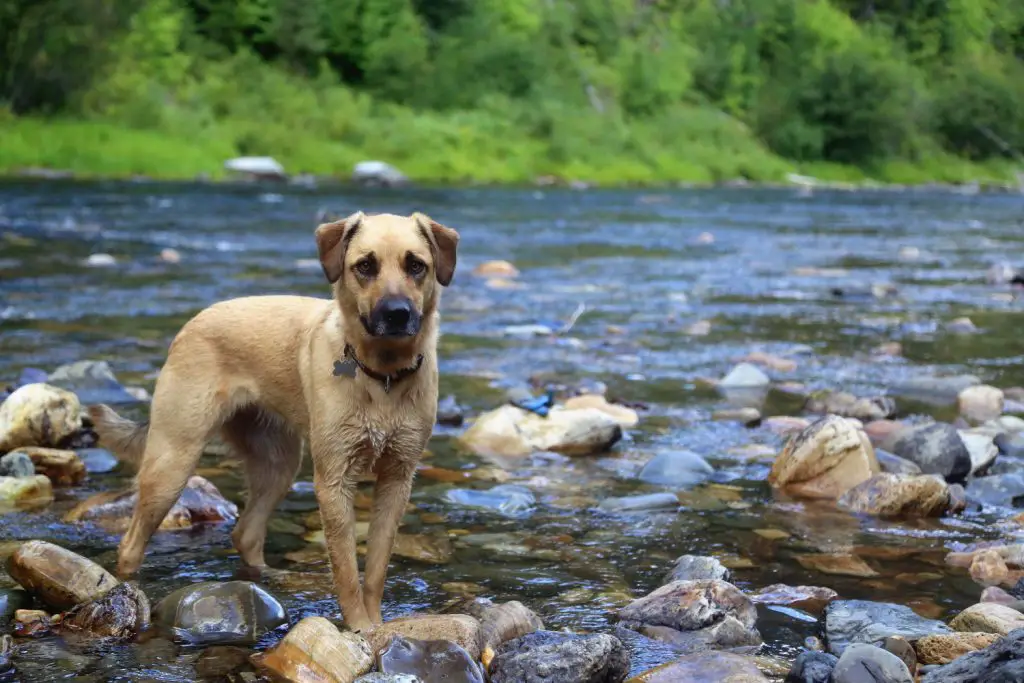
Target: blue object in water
x,y
539,405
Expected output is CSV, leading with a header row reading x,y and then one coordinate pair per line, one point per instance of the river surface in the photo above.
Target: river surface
x,y
636,260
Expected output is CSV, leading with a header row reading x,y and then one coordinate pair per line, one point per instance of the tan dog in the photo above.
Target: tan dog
x,y
356,375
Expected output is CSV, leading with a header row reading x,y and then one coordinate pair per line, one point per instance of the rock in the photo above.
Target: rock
x,y
38,415
863,621
721,667
121,614
232,612
500,624
1001,662
460,629
861,663
422,548
894,464
378,174
746,416
640,503
899,646
837,564
808,598
1001,490
58,577
92,381
935,390
100,261
936,448
745,376
812,667
943,649
98,460
260,168
63,468
552,657
825,460
498,268
315,651
769,361
508,500
981,403
113,511
676,469
698,613
898,495
982,449
450,413
25,492
988,617
626,417
880,431
17,464
168,255
697,568
12,600
388,678
996,594
431,661
512,431
205,503
32,623
988,568
6,652
844,404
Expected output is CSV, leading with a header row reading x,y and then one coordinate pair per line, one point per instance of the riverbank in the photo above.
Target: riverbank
x,y
468,148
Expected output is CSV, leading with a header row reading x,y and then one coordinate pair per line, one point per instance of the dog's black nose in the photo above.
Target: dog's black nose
x,y
396,313
394,316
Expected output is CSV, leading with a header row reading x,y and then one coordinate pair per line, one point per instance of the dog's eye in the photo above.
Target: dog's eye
x,y
415,267
366,267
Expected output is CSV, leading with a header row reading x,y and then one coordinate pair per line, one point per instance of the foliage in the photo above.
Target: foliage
x,y
500,90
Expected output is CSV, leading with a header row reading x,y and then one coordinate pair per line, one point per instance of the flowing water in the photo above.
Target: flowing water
x,y
636,261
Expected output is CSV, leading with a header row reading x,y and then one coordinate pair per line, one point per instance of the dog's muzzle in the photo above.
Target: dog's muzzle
x,y
393,316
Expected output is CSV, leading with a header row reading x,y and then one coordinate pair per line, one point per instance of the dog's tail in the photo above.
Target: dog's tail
x,y
119,435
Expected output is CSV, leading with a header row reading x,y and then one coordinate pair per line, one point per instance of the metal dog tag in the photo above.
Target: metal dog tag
x,y
345,368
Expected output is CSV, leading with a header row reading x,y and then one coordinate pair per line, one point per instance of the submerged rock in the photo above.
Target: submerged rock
x,y
92,381
898,495
862,621
435,549
1001,662
812,667
894,464
1000,490
936,448
809,598
17,464
315,651
25,492
696,568
38,415
512,431
677,469
461,629
721,667
508,500
212,612
499,623
640,503
825,460
988,617
861,663
935,390
113,511
430,661
551,657
121,614
943,649
63,468
97,460
58,577
845,404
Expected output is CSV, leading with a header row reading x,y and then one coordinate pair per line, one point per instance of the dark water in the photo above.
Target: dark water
x,y
635,261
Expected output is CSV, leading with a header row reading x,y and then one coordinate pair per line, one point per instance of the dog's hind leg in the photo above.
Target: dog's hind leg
x,y
180,426
272,454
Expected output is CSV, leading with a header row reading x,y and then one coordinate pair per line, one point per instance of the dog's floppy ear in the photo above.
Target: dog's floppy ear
x,y
443,243
331,242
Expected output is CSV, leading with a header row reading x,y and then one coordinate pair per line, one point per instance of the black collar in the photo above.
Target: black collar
x,y
386,380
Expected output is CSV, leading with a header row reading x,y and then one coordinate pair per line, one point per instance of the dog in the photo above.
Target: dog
x,y
356,375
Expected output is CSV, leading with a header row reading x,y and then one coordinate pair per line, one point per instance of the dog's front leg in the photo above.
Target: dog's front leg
x,y
335,486
390,496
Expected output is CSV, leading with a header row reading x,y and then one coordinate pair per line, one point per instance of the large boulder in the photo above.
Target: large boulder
x,y
936,448
25,492
512,431
862,621
825,460
38,415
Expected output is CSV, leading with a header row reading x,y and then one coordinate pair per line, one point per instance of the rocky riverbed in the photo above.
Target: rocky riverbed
x,y
735,435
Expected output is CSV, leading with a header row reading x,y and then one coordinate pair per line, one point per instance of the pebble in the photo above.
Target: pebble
x,y
496,269
12,600
812,667
894,464
626,417
169,255
837,564
121,613
511,431
746,416
981,403
847,405
100,261
988,568
508,500
62,468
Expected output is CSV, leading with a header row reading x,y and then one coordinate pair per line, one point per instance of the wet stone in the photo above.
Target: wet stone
x,y
944,649
220,661
12,600
32,623
430,661
377,677
725,667
812,667
507,500
6,653
640,503
63,468
38,415
315,651
1001,662
900,647
936,448
862,663
845,404
232,612
808,598
499,623
121,614
510,431
551,657
982,449
894,464
863,621
676,469
450,413
98,460
988,617
896,495
59,577
460,629
25,492
16,464
92,381
695,568
824,460
998,490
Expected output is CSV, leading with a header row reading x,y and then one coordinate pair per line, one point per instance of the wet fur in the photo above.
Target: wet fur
x,y
258,372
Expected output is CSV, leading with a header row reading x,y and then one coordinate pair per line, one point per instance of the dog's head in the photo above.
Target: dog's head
x,y
386,269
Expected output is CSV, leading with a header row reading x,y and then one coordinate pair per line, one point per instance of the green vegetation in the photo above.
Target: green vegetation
x,y
608,91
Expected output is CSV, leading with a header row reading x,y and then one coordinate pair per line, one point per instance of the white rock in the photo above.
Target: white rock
x,y
100,261
512,431
261,167
744,376
38,415
982,448
378,173
981,403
